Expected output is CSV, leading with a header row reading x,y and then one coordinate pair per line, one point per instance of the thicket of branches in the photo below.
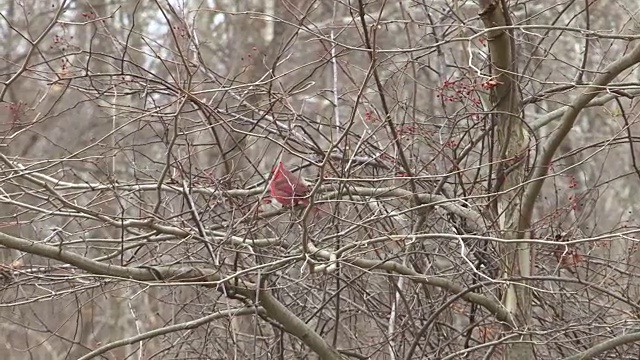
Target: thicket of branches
x,y
471,166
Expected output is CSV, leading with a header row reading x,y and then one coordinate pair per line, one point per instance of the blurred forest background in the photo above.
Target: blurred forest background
x,y
474,191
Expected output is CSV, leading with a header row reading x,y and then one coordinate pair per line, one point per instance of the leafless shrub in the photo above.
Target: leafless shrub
x,y
470,171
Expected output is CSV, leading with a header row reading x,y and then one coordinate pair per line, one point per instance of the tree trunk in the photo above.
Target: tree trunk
x,y
511,151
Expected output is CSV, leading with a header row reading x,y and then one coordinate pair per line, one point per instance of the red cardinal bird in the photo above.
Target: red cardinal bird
x,y
287,188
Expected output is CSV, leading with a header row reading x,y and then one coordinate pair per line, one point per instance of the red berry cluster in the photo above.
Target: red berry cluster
x,y
573,199
461,90
249,55
456,91
490,84
89,15
59,41
370,117
416,129
16,111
